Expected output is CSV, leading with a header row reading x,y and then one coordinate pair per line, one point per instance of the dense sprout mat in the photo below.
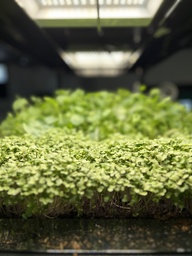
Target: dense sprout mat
x,y
98,154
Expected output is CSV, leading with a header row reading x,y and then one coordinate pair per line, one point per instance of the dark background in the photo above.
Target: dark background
x,y
33,64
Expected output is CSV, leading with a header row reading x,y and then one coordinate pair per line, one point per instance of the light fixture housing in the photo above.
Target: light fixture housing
x,y
83,13
102,63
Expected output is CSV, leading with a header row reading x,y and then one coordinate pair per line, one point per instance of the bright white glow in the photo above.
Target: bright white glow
x,y
122,1
132,9
97,62
116,2
109,2
99,72
76,2
141,2
61,2
71,12
49,2
137,2
69,2
124,13
109,9
44,2
55,2
129,2
92,2
52,2
152,6
83,2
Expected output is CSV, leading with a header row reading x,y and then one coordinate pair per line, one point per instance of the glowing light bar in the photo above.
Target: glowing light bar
x,y
61,3
90,2
93,63
110,10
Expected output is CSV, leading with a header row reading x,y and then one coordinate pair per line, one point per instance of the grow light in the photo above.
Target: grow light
x,y
112,12
94,63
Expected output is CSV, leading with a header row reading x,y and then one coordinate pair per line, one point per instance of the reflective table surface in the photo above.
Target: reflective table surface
x,y
95,237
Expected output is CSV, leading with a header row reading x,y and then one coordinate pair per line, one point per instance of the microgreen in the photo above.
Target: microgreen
x,y
96,154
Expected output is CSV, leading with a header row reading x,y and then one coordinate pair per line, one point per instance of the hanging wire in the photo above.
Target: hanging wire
x,y
99,27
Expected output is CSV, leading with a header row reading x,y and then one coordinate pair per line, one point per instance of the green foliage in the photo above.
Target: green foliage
x,y
96,154
74,170
98,114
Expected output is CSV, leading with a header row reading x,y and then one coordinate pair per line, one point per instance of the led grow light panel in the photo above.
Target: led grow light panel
x,y
60,3
112,12
128,9
60,9
97,63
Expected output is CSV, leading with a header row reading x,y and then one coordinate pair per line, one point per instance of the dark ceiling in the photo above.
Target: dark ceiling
x,y
21,39
168,34
117,38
